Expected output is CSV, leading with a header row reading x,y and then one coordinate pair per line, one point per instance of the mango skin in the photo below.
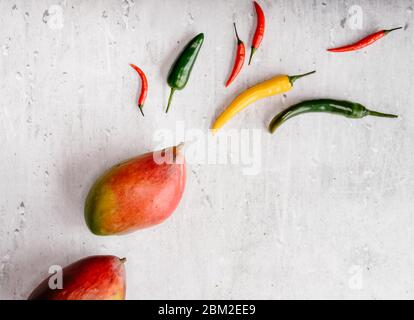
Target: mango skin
x,y
135,194
91,278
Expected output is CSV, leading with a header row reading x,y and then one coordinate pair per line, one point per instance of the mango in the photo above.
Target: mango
x,y
136,194
91,278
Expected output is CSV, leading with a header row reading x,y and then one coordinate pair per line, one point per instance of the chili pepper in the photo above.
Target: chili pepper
x,y
368,40
239,61
348,109
181,69
260,29
144,87
271,87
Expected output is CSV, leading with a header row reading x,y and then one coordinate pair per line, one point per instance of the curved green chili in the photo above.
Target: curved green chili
x,y
348,109
181,69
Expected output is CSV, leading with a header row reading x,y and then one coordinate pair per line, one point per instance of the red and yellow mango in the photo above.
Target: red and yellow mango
x,y
91,278
136,194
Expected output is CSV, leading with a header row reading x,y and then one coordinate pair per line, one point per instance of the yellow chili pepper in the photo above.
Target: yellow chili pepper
x,y
271,87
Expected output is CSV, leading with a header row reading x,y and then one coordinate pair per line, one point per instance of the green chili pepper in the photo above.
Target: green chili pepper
x,y
348,109
181,69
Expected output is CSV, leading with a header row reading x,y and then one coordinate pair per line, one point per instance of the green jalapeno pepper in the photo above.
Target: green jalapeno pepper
x,y
181,69
348,109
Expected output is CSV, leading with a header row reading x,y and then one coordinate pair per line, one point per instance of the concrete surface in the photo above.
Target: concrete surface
x,y
329,215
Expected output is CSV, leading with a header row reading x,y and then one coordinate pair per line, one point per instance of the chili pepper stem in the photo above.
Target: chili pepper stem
x,y
170,99
380,114
251,54
235,31
140,109
292,79
390,30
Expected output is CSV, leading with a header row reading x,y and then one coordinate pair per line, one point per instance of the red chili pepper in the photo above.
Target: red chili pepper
x,y
240,57
144,87
260,28
363,42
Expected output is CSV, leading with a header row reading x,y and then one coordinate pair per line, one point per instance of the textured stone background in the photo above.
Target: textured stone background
x,y
330,215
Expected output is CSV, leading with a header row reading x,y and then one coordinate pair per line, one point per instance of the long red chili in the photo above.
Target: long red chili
x,y
260,29
144,87
240,57
368,40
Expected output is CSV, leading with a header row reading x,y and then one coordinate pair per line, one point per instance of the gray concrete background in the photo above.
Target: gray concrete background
x,y
330,215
